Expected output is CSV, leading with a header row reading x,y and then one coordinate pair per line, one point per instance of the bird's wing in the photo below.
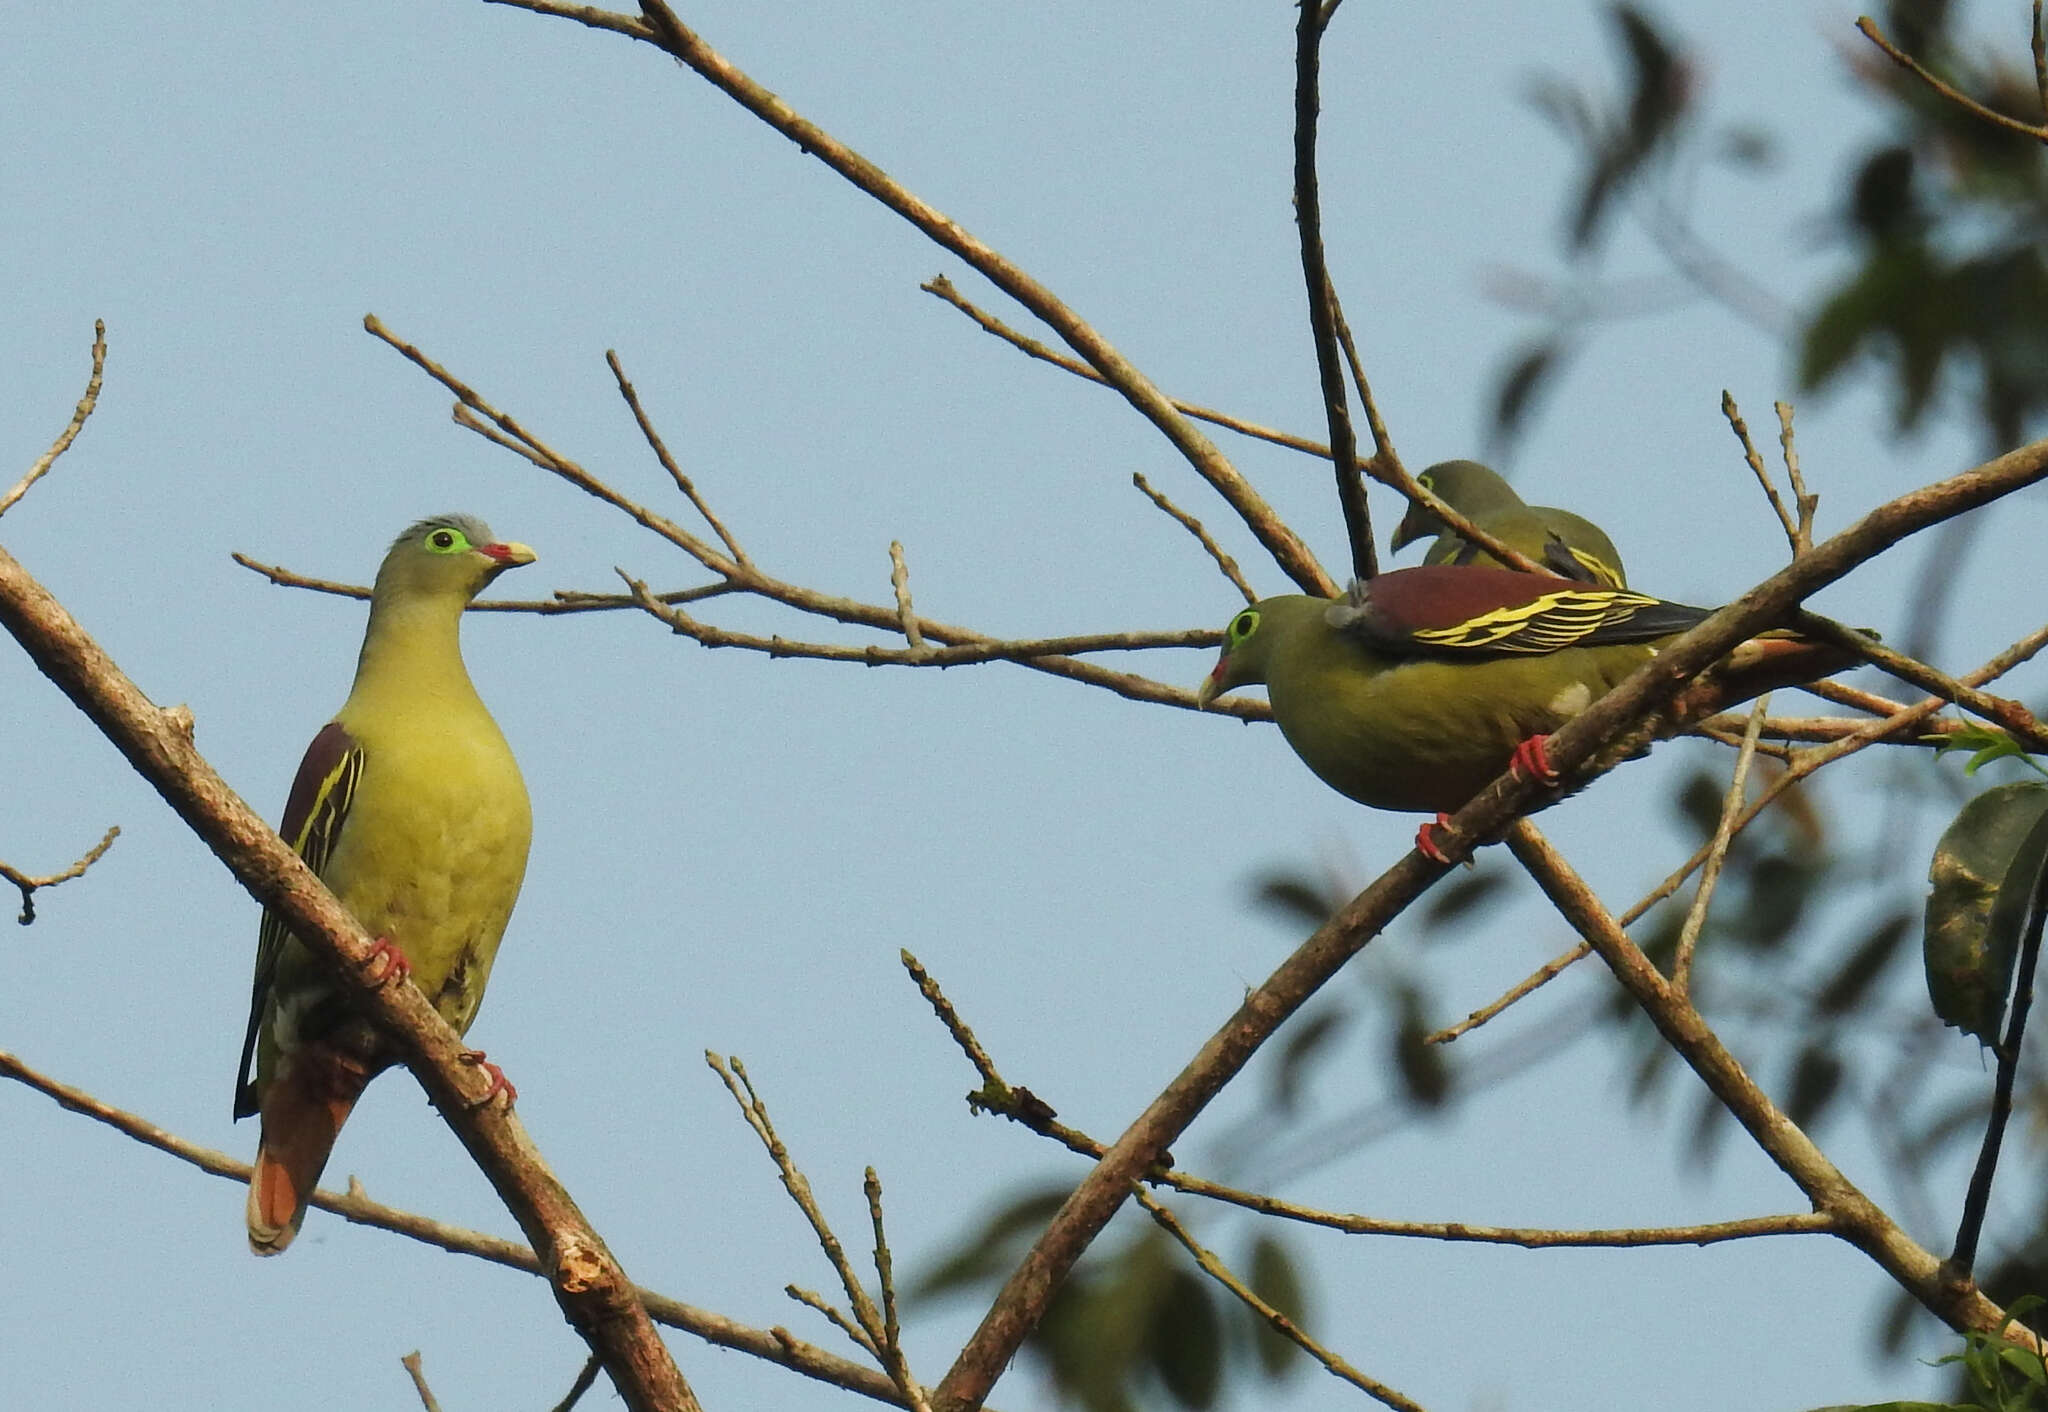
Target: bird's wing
x,y
313,817
1466,611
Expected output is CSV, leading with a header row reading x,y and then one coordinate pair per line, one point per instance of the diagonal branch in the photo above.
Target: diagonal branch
x,y
30,885
90,400
1322,295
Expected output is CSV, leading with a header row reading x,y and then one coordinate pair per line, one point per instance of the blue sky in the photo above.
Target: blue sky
x,y
729,851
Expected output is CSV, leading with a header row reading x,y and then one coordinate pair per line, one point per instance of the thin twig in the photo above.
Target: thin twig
x,y
875,1333
1978,1200
1962,100
668,462
72,428
942,288
1278,1322
1322,294
29,885
1806,501
1194,527
1756,464
1021,1106
885,1275
1717,850
419,1381
899,580
584,1381
1385,468
1386,461
2002,712
811,1299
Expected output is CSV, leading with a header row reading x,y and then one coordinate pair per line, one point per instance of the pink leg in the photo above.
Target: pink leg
x,y
1426,839
386,962
1531,761
499,1083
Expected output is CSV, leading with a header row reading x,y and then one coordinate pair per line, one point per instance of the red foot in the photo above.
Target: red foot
x,y
499,1083
1426,839
386,962
1531,761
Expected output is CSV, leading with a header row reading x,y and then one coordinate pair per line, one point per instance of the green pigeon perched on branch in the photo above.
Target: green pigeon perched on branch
x,y
1421,685
1566,544
411,809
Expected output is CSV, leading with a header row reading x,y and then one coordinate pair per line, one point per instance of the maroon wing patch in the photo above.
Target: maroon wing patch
x,y
313,817
1477,609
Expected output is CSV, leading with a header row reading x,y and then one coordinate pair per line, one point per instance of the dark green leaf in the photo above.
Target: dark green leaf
x,y
1864,965
1294,898
1982,874
1452,900
1424,1068
1816,1079
1186,1343
1519,386
1271,1274
994,1250
1306,1038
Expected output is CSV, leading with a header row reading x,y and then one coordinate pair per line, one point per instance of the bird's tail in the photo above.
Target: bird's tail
x,y
304,1107
1764,663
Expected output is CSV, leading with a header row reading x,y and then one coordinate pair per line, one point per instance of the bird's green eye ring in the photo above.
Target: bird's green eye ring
x,y
1243,626
446,541
1427,482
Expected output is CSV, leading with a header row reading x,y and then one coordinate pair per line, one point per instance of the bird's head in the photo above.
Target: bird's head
x,y
1477,492
1250,640
451,556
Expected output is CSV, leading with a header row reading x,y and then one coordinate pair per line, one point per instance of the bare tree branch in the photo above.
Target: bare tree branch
x,y
30,885
90,400
1216,1270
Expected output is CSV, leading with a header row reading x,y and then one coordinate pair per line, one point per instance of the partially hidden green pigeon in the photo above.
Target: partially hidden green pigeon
x,y
1568,545
411,808
1421,685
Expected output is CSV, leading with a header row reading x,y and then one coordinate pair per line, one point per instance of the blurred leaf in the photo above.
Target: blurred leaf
x,y
1452,900
1186,1340
1983,872
1518,390
1881,203
1698,801
1424,1068
1816,1079
1271,1274
1864,965
994,1250
1305,1041
1657,99
1565,107
1753,148
1779,890
1295,898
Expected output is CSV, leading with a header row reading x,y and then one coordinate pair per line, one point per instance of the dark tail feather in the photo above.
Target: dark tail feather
x,y
303,1110
1764,663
